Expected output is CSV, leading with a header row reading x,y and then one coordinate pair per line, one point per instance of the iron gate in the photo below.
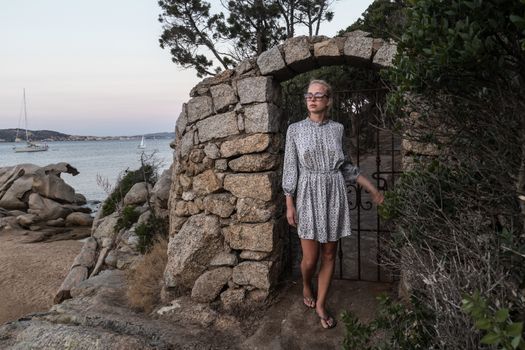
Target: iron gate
x,y
376,150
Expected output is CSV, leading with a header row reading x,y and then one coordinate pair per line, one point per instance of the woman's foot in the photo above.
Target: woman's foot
x,y
308,298
327,321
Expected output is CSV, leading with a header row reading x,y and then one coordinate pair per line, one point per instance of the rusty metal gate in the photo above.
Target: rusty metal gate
x,y
376,150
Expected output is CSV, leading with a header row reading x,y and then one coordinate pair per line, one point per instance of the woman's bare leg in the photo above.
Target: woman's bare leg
x,y
328,253
310,250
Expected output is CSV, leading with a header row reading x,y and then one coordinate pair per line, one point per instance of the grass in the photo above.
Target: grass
x,y
145,279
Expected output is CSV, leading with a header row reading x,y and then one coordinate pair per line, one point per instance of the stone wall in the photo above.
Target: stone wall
x,y
227,225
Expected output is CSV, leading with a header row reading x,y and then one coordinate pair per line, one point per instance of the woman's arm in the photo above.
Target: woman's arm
x,y
377,197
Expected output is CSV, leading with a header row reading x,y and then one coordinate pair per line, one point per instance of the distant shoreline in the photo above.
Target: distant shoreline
x,y
10,135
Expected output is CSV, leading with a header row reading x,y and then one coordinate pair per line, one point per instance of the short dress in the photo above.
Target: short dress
x,y
315,171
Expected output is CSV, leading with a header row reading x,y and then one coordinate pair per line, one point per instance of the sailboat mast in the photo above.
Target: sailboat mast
x,y
25,114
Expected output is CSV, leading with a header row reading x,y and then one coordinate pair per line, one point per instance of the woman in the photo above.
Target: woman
x,y
316,167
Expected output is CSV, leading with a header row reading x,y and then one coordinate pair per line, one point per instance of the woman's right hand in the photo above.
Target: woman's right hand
x,y
291,216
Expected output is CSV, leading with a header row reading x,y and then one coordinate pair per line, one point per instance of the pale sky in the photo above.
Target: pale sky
x,y
95,67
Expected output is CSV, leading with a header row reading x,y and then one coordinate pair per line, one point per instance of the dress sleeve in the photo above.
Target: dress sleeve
x,y
349,170
290,166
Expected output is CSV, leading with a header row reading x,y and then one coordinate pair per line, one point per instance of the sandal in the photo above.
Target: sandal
x,y
329,321
309,302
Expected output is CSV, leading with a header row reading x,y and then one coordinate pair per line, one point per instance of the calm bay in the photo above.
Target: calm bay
x,y
108,159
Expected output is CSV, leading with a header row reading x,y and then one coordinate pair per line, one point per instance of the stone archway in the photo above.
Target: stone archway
x,y
226,220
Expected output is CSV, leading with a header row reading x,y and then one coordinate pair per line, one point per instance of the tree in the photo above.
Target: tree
x,y
188,29
383,19
210,43
460,70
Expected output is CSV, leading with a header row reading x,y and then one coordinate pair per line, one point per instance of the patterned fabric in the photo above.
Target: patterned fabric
x,y
316,166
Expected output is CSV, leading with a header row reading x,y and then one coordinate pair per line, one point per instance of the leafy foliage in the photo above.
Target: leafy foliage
x,y
499,329
144,173
395,327
383,19
210,42
147,232
127,218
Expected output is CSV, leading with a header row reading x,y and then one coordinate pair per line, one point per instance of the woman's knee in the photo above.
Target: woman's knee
x,y
309,262
328,255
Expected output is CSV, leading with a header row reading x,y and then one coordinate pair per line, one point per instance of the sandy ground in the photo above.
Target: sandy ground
x,y
30,273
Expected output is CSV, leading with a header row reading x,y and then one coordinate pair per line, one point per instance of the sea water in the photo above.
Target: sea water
x,y
104,159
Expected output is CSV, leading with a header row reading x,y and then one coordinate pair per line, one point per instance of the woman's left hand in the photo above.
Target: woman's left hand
x,y
377,197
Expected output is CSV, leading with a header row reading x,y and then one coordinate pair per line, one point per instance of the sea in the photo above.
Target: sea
x,y
106,160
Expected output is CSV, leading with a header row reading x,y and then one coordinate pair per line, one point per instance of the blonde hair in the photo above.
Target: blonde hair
x,y
328,91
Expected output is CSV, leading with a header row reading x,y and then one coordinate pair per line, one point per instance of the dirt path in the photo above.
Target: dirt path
x,y
30,273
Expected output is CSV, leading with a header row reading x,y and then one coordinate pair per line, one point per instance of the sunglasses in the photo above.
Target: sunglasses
x,y
317,96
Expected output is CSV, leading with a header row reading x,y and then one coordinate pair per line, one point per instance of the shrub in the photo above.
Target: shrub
x,y
146,277
147,232
395,327
145,173
128,217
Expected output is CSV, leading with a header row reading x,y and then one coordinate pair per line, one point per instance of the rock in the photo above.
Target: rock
x,y
87,255
223,96
60,222
35,227
208,286
358,50
254,210
258,295
244,145
107,279
161,190
27,220
257,89
199,108
197,155
51,186
251,255
217,126
254,162
186,143
144,217
191,250
80,199
15,212
221,165
257,274
212,151
57,169
330,52
79,219
182,121
45,208
138,194
8,223
125,259
232,298
221,204
259,237
257,186
224,259
206,183
262,117
16,195
111,258
297,54
76,275
106,228
384,57
184,311
271,62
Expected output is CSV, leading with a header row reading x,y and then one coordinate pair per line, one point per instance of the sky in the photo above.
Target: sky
x,y
95,67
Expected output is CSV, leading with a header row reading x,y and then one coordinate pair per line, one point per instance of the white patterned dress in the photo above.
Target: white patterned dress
x,y
315,169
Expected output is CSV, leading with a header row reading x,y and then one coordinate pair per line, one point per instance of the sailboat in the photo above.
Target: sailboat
x,y
30,146
142,144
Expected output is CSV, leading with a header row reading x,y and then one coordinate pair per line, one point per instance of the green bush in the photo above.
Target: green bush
x,y
148,231
144,173
395,327
128,217
498,328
